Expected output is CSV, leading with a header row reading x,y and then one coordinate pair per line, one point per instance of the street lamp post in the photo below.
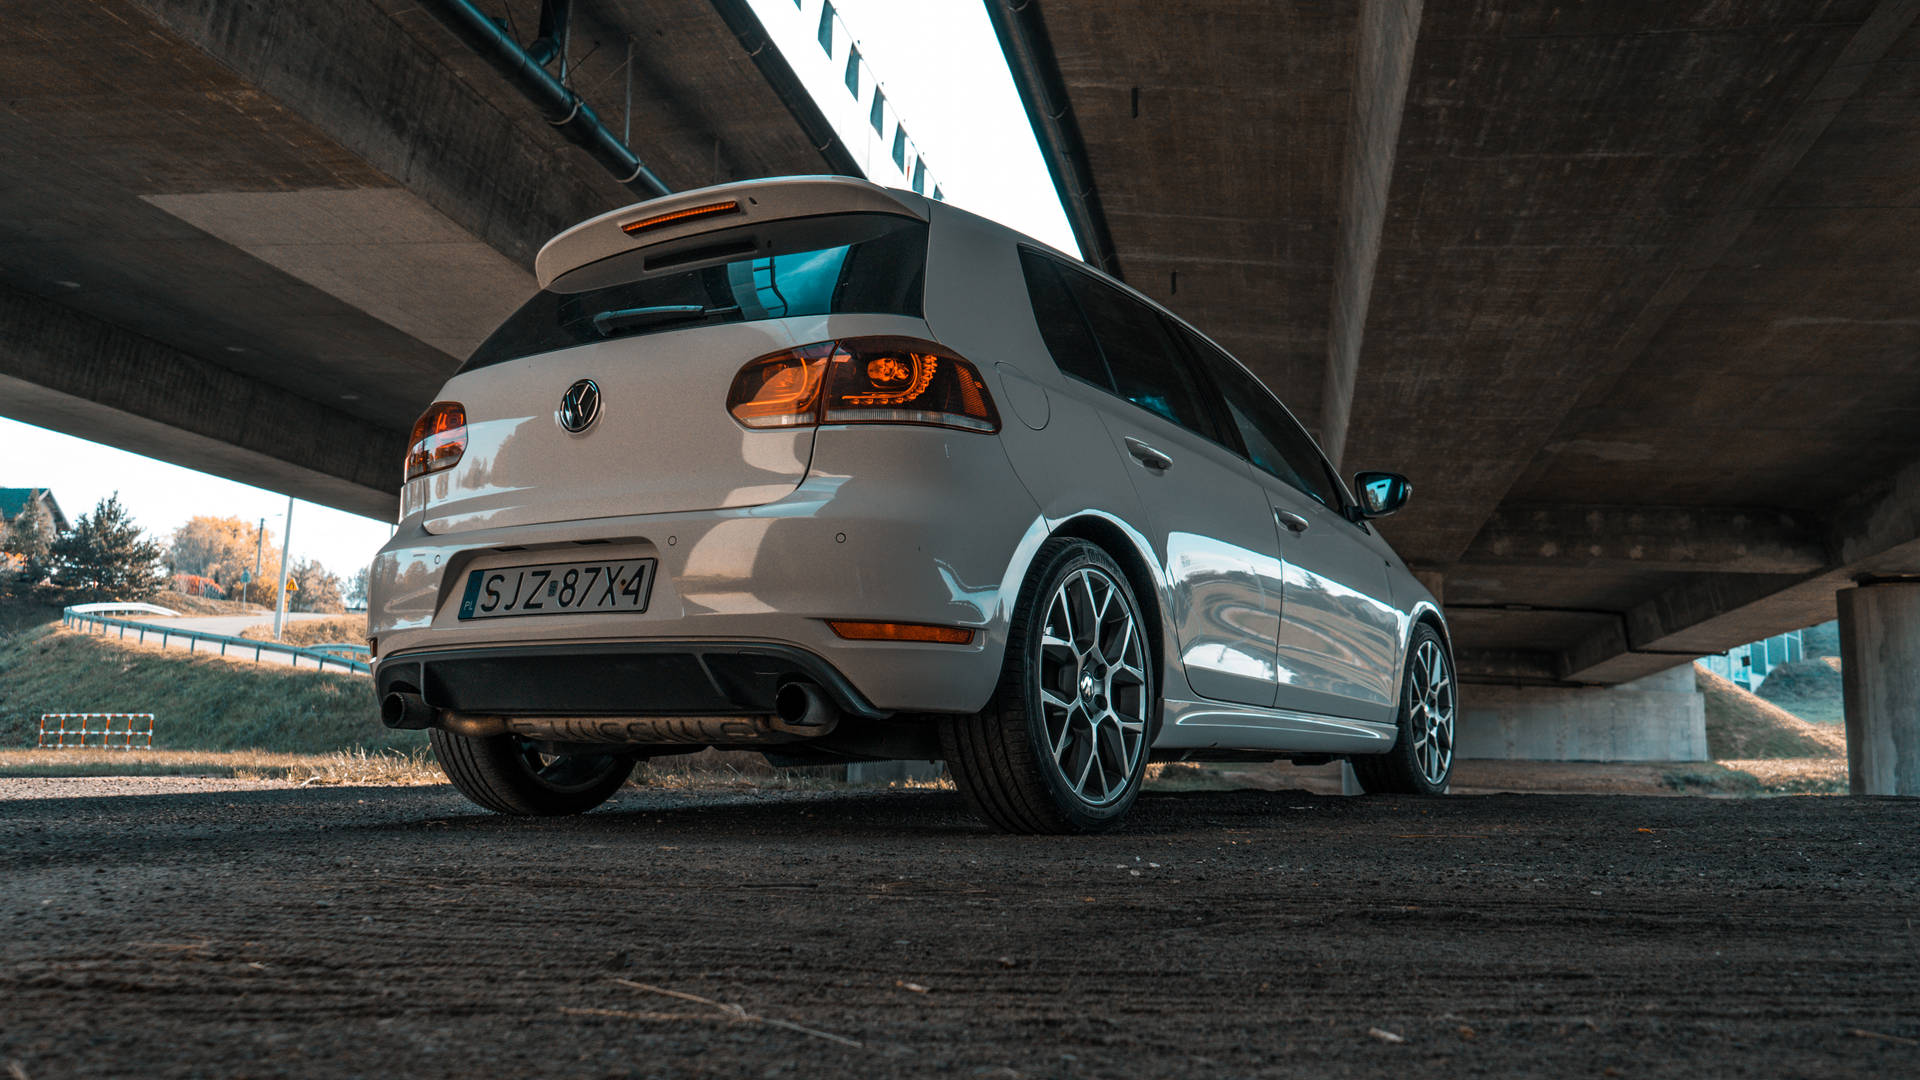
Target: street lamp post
x,y
280,603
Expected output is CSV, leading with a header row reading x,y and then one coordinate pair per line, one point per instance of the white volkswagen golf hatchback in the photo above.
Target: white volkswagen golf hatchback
x,y
840,473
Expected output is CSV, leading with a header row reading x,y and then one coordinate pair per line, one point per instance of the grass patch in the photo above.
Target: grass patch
x,y
1762,776
1809,689
199,702
207,605
338,630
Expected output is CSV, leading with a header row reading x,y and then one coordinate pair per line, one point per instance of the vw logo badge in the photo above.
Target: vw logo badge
x,y
579,406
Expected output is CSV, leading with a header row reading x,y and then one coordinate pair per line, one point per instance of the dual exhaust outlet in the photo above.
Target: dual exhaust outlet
x,y
801,711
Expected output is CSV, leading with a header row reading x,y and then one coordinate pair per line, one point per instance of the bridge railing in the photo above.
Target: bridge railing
x,y
321,655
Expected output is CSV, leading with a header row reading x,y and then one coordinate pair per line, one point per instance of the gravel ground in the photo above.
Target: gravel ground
x,y
175,927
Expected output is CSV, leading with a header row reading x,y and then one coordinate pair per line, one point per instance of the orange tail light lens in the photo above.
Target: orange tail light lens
x,y
899,631
439,439
867,380
782,390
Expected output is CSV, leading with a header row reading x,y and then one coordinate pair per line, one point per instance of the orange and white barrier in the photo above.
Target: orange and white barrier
x,y
109,730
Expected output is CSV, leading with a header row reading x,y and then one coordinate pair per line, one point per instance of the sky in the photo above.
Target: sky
x,y
161,497
946,83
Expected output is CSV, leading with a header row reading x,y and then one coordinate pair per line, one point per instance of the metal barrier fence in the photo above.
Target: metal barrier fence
x,y
69,736
321,656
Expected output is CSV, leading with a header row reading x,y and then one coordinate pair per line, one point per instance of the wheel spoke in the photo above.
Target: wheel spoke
x,y
1066,736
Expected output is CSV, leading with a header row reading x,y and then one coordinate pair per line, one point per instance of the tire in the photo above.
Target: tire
x,y
505,774
1062,746
1421,761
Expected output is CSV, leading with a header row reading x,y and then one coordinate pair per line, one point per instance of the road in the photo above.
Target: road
x,y
228,625
197,928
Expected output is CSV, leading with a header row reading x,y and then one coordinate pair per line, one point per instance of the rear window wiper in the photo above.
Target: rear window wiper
x,y
609,323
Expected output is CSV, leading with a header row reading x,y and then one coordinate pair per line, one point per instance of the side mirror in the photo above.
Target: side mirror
x,y
1381,493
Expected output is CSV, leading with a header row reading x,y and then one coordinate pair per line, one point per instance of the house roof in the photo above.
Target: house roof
x,y
14,500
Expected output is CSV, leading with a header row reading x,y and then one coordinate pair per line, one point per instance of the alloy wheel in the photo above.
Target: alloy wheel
x,y
1431,719
1093,686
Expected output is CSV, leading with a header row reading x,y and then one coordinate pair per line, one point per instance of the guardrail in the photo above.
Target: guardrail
x,y
195,638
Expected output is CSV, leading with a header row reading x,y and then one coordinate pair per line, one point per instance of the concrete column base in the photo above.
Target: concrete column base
x,y
1659,718
885,772
1880,677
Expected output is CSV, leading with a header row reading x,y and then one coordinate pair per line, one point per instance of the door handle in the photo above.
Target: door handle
x,y
1147,455
1290,521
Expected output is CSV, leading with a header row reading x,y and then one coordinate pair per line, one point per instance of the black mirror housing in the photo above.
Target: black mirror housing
x,y
1380,493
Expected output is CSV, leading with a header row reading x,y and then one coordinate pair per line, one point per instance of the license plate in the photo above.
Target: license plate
x,y
558,589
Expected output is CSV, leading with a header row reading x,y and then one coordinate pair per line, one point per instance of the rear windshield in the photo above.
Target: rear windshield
x,y
848,264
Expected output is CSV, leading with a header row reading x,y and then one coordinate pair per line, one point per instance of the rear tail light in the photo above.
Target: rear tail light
x,y
439,438
867,380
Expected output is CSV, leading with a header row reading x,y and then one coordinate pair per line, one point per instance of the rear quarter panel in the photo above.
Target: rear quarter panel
x,y
977,304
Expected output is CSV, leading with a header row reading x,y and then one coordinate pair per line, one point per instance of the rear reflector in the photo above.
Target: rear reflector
x,y
672,216
439,439
901,631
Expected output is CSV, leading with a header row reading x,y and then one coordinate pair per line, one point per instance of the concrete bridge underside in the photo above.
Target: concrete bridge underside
x,y
1628,289
255,238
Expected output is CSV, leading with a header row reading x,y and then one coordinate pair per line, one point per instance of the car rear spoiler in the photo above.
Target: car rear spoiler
x,y
725,206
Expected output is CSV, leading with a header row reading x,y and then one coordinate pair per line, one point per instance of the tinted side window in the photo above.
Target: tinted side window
x,y
1148,368
1275,441
1061,326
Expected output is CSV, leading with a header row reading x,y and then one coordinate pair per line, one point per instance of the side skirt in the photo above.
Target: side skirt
x,y
1215,725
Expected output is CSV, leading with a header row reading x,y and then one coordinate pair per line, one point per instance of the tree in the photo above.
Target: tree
x,y
315,588
106,557
29,543
222,548
357,592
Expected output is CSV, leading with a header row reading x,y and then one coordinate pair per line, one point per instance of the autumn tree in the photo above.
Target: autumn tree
x,y
105,556
315,588
28,545
221,548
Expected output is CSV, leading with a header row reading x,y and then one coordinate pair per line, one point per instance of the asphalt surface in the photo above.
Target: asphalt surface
x,y
208,929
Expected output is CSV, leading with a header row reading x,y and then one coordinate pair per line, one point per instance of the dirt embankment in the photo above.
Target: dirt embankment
x,y
1743,725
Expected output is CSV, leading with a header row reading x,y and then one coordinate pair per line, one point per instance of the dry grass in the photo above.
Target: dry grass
x,y
206,605
1743,726
356,767
1783,776
338,630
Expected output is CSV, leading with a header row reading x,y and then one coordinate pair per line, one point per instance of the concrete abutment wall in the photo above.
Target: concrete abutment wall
x,y
1659,718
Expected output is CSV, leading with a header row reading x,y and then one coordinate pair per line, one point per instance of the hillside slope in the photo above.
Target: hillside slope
x,y
1809,689
1742,725
199,702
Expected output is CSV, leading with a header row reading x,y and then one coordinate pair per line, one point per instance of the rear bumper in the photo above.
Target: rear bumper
x,y
905,524
655,678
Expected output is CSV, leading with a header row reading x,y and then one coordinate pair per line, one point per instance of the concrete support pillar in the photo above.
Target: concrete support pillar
x,y
1880,676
